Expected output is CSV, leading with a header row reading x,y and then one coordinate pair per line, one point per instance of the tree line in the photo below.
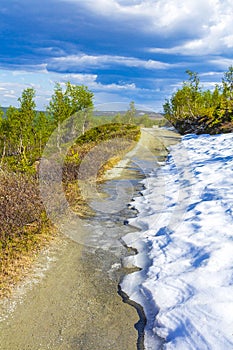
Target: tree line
x,y
195,109
25,131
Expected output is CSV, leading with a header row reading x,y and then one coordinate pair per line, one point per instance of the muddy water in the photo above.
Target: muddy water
x,y
75,305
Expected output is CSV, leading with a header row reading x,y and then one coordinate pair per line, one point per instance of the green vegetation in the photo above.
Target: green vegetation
x,y
24,132
193,109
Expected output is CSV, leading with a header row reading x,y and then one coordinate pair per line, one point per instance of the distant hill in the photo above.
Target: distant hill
x,y
139,113
4,109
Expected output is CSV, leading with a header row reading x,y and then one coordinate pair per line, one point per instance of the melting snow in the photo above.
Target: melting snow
x,y
185,247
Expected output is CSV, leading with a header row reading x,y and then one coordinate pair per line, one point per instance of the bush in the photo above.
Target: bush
x,y
20,204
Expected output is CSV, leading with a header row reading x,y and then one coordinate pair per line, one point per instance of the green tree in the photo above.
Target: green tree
x,y
216,96
79,97
225,112
74,101
59,110
191,89
131,113
43,127
209,111
11,133
188,101
27,115
227,83
80,102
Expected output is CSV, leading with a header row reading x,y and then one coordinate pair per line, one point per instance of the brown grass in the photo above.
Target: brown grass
x,y
24,228
20,253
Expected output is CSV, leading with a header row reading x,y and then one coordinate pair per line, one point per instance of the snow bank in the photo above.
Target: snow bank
x,y
185,247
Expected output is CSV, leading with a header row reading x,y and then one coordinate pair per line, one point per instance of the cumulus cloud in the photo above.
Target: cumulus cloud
x,y
154,15
217,34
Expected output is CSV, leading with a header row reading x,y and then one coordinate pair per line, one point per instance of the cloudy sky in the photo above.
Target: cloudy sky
x,y
123,50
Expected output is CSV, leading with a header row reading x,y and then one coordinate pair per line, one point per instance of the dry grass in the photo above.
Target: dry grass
x,y
20,253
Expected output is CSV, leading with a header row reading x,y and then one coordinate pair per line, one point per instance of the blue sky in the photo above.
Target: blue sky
x,y
123,50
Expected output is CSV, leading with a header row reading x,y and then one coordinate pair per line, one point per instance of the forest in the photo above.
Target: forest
x,y
193,109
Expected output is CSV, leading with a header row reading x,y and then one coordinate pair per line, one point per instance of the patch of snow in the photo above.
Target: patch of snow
x,y
185,247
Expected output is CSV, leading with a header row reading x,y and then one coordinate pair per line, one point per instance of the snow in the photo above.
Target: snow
x,y
185,247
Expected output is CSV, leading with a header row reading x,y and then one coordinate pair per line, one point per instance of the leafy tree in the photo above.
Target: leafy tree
x,y
131,113
75,100
43,127
186,101
79,97
225,110
227,83
216,96
27,115
191,105
80,102
192,95
11,132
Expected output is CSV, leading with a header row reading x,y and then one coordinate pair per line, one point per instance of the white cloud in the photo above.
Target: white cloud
x,y
44,83
79,79
221,62
210,85
90,80
10,96
102,61
30,69
217,33
228,41
153,15
210,74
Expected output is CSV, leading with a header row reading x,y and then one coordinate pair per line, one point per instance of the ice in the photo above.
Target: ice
x,y
185,247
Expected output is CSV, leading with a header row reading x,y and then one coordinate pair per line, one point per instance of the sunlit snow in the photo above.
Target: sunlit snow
x,y
185,247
